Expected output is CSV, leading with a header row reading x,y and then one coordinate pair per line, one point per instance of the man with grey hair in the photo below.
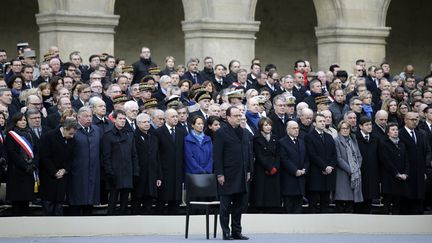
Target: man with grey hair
x,y
278,117
379,126
157,120
299,108
192,73
171,142
131,109
164,84
98,107
53,119
351,118
214,110
294,165
35,124
305,122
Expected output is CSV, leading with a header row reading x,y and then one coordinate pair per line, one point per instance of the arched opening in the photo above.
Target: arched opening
x,y
155,24
286,33
410,36
18,24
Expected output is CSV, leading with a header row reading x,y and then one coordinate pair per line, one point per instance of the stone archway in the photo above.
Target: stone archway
x,y
155,24
286,33
410,39
18,24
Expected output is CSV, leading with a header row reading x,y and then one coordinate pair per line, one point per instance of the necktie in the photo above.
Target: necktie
x,y
413,136
194,76
133,125
367,138
173,134
37,132
430,127
186,127
295,141
322,136
88,129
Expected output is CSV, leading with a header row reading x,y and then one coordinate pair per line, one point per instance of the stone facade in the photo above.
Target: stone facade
x,y
277,31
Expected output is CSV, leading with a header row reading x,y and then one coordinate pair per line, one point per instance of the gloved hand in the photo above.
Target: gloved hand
x,y
272,171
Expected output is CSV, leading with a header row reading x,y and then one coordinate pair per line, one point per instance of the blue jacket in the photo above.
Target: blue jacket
x,y
198,158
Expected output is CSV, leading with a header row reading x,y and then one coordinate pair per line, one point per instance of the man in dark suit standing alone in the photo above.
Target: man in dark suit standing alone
x,y
232,161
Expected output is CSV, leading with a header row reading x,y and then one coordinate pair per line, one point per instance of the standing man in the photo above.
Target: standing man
x,y
140,67
171,141
323,160
207,73
120,162
84,181
418,154
232,161
56,155
192,73
294,165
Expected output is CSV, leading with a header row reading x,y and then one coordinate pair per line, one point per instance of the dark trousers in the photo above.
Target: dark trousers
x,y
237,204
344,206
321,197
141,205
293,204
391,204
112,201
411,206
81,210
364,207
52,208
20,208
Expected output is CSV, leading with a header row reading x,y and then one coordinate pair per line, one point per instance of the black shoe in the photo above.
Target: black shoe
x,y
227,237
239,237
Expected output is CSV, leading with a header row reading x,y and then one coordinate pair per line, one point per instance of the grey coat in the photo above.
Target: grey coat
x,y
344,191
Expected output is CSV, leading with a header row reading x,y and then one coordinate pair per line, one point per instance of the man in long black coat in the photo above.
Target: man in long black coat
x,y
56,155
418,153
232,156
120,162
323,160
294,166
171,141
150,178
370,169
427,128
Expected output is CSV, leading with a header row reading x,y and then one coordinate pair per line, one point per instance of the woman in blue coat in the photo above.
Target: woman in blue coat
x,y
198,149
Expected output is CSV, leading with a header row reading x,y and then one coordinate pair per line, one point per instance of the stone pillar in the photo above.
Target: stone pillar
x,y
78,25
349,30
222,29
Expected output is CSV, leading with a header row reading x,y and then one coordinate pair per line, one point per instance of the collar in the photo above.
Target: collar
x,y
409,130
364,134
169,127
319,131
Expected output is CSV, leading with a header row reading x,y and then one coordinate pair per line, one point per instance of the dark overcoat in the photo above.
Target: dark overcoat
x,y
321,154
265,189
370,168
56,153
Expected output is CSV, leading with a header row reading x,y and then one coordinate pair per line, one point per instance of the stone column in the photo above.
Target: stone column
x,y
222,29
349,30
77,25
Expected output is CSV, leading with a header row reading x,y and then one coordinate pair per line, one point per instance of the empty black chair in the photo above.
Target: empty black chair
x,y
201,190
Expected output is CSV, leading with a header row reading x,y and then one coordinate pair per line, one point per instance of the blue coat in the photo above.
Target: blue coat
x,y
198,158
84,175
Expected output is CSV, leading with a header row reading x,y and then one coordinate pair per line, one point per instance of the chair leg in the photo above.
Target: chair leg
x,y
207,222
187,222
215,223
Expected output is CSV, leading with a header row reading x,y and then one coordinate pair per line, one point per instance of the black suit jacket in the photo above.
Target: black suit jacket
x,y
171,154
232,156
293,157
321,154
77,104
189,76
53,120
279,126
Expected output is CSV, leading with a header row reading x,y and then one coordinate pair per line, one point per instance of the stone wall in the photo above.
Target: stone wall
x,y
410,40
155,24
286,33
18,23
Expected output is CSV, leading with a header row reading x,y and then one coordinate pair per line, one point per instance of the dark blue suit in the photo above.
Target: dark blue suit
x,y
293,157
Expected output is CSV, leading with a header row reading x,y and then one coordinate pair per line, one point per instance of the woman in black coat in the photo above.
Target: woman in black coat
x,y
56,155
22,170
150,176
395,170
265,191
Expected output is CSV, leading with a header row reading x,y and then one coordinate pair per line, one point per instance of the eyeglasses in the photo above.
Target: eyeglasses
x,y
35,118
35,104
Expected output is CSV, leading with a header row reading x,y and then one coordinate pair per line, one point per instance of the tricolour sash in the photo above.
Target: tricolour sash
x,y
24,143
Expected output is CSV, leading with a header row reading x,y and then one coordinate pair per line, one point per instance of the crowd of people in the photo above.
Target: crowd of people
x,y
118,134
